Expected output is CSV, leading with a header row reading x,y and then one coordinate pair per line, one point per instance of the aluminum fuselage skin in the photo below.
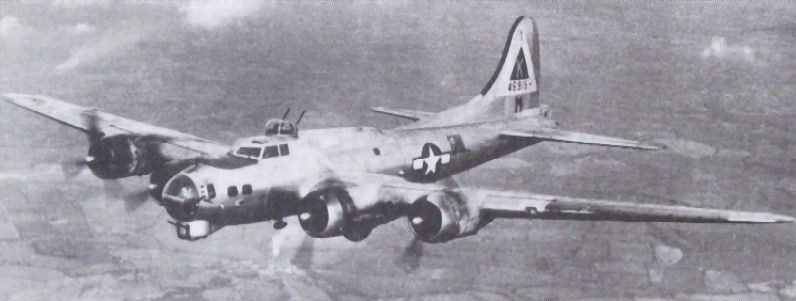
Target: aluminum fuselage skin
x,y
277,184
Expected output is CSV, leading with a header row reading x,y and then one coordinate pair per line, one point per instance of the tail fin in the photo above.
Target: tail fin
x,y
513,88
516,80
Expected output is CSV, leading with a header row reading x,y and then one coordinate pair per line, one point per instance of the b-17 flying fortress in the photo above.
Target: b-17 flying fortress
x,y
347,181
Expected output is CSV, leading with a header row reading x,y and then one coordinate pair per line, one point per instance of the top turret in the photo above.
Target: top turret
x,y
281,127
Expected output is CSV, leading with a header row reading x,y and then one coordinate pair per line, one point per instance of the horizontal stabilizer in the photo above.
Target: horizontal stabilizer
x,y
580,138
407,114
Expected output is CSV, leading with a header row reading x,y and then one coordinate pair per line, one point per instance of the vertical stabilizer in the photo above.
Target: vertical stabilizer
x,y
515,83
513,88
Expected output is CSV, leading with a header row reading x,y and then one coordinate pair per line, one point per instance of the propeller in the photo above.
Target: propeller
x,y
291,250
73,167
305,254
132,200
113,188
92,123
409,261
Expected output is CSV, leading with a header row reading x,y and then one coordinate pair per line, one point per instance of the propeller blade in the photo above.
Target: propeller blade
x,y
133,201
113,188
410,258
304,255
92,122
72,168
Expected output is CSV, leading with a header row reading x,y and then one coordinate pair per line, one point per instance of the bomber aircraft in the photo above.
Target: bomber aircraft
x,y
347,181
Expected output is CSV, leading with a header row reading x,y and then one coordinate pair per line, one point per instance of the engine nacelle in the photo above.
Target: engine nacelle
x,y
121,156
159,178
326,213
442,216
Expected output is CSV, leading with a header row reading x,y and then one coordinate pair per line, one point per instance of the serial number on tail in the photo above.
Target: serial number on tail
x,y
521,85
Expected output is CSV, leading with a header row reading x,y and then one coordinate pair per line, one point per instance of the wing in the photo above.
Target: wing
x,y
515,204
580,138
108,124
407,114
527,205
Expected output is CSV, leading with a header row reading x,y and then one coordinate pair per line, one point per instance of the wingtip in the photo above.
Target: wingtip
x,y
761,217
779,218
14,96
652,146
10,98
786,219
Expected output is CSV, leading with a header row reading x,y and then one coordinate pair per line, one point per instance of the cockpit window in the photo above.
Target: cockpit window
x,y
271,152
252,152
274,151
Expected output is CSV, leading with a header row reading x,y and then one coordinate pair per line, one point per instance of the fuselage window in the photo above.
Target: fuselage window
x,y
232,191
246,189
251,152
271,152
283,150
376,151
211,191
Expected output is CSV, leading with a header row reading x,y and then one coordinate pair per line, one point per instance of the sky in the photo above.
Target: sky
x,y
249,59
72,30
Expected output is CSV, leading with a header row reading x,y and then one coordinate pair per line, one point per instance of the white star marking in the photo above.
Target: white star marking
x,y
431,161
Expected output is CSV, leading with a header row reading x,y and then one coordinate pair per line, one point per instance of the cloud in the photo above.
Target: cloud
x,y
110,44
212,14
78,3
78,29
11,27
719,49
82,28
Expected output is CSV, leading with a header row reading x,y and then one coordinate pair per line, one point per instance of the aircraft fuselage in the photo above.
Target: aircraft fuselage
x,y
273,185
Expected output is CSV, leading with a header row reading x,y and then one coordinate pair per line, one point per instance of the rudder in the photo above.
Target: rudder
x,y
513,88
516,79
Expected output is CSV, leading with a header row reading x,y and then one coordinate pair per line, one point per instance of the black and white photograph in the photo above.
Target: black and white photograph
x,y
397,150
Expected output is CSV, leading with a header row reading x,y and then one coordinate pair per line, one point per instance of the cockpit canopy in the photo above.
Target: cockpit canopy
x,y
275,143
280,127
261,148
